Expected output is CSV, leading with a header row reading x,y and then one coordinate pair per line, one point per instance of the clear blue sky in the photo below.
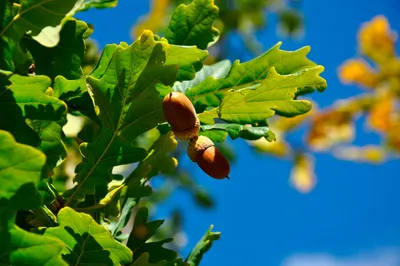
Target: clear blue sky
x,y
351,218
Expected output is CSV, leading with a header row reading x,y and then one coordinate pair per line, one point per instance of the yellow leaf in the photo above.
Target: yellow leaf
x,y
278,148
302,175
369,154
376,39
330,128
357,71
380,117
155,20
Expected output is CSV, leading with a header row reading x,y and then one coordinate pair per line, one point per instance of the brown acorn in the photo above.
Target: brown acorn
x,y
181,115
202,151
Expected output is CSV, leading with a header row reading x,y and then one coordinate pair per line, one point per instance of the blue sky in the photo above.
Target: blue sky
x,y
351,218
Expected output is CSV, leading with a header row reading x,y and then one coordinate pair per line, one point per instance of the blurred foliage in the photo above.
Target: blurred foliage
x,y
376,71
244,17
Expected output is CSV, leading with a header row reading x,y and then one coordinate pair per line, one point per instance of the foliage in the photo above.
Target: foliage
x,y
81,140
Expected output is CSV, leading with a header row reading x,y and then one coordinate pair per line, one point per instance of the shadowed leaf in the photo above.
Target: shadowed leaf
x,y
193,24
86,241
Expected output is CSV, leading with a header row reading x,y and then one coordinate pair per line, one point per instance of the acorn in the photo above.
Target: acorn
x,y
202,151
181,115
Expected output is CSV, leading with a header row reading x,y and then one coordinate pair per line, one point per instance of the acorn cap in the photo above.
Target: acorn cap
x,y
197,146
190,133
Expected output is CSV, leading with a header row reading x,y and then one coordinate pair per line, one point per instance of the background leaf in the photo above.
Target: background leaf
x,y
188,26
143,231
86,241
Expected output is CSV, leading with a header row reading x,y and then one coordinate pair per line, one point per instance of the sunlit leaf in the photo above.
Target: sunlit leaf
x,y
19,164
251,74
98,4
276,94
243,131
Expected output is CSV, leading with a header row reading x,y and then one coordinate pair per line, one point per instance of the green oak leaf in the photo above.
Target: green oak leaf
x,y
251,74
98,4
217,71
19,247
243,131
7,46
41,19
276,95
32,115
188,58
215,135
158,159
66,57
202,247
86,241
123,86
135,191
76,95
143,260
143,231
193,24
50,134
19,165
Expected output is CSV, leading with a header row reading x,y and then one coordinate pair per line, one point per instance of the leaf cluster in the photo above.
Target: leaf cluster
x,y
51,219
